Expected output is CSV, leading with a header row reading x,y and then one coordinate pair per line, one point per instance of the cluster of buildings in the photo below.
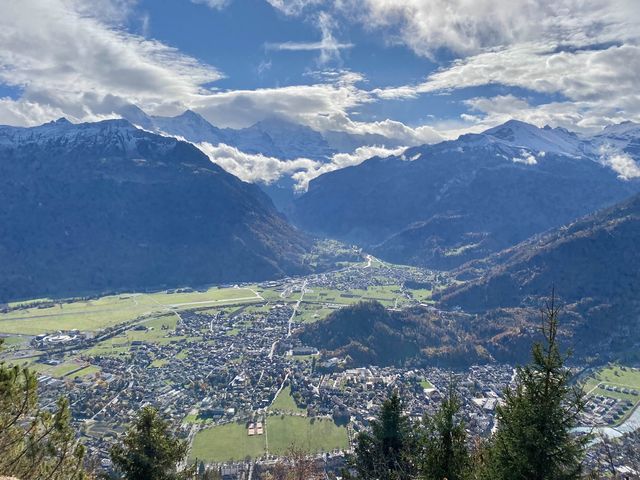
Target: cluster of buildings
x,y
228,363
61,338
602,410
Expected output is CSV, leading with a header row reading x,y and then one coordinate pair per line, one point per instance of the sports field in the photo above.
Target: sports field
x,y
231,441
308,434
225,443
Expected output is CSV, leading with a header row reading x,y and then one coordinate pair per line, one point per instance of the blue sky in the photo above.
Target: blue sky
x,y
415,70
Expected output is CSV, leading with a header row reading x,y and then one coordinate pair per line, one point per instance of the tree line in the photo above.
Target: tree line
x,y
533,438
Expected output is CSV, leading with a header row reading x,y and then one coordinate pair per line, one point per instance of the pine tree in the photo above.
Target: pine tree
x,y
149,451
444,453
534,440
35,444
388,451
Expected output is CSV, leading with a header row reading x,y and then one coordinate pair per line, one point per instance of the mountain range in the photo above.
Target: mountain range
x,y
272,137
594,266
442,205
106,206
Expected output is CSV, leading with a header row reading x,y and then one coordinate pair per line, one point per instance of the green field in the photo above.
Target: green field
x,y
94,315
615,376
231,442
70,368
13,340
86,371
226,442
284,402
385,294
120,344
319,435
426,384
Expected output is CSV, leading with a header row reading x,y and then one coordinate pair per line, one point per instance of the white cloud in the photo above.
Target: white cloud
x,y
586,52
526,158
262,168
620,162
322,106
294,7
468,27
69,63
60,56
342,160
253,168
328,46
215,4
70,59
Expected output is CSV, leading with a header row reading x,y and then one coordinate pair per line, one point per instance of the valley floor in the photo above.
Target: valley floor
x,y
222,365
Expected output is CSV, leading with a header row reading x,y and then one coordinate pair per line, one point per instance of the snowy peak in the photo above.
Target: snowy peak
x,y
624,130
135,115
190,126
288,140
519,134
108,137
621,138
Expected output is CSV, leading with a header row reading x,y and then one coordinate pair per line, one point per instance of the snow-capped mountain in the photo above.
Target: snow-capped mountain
x,y
61,136
272,137
624,137
106,206
518,134
441,205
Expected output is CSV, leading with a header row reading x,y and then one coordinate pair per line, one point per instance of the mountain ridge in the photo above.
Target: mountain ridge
x,y
106,206
444,204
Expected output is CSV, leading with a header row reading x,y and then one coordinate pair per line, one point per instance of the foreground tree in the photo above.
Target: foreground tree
x,y
534,440
444,453
149,451
295,465
35,444
388,451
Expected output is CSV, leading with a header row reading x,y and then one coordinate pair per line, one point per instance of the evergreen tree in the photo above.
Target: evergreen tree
x,y
35,444
388,451
444,453
534,440
149,451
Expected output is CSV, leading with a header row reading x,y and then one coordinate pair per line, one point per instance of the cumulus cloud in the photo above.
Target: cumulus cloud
x,y
57,53
342,160
261,168
253,168
586,52
67,62
468,27
68,58
526,158
320,106
620,162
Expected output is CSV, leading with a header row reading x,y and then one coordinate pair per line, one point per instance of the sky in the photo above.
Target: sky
x,y
415,70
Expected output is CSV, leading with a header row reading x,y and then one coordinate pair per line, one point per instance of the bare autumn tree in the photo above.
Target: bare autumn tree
x,y
625,447
295,465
